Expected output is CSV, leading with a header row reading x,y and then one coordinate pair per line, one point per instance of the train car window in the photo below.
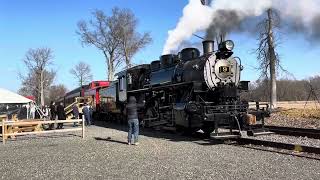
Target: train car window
x,y
117,91
129,79
121,84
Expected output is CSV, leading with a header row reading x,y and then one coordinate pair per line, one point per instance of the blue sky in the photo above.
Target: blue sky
x,y
28,24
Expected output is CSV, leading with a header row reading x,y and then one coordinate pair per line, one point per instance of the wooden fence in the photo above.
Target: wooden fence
x,y
21,124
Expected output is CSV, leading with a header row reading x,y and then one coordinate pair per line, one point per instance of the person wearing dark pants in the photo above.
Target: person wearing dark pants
x,y
133,122
52,114
133,130
75,112
61,115
91,114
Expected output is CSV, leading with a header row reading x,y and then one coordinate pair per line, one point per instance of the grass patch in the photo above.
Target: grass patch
x,y
300,113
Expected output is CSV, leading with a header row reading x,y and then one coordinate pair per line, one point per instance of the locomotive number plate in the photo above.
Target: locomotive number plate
x,y
224,69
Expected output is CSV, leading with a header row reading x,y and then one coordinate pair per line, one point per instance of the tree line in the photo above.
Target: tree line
x,y
287,90
116,36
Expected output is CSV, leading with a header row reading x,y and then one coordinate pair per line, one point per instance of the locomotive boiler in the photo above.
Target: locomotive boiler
x,y
189,91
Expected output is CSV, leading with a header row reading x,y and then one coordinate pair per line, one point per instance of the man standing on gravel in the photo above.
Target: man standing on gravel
x,y
52,114
133,121
61,115
75,112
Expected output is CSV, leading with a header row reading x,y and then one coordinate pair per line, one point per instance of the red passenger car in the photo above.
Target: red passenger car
x,y
91,89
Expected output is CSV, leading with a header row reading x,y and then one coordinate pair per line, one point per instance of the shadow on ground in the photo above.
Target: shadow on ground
x,y
109,140
197,137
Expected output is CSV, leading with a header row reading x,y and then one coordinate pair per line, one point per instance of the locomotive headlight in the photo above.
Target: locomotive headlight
x,y
229,45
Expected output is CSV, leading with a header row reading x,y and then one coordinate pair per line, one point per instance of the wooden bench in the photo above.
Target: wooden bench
x,y
19,128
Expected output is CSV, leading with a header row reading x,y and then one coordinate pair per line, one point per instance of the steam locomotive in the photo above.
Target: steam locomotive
x,y
187,91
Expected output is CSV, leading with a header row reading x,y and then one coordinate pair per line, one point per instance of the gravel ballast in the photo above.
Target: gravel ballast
x,y
291,140
104,154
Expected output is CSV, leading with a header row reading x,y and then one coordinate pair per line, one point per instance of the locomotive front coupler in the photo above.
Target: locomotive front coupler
x,y
257,129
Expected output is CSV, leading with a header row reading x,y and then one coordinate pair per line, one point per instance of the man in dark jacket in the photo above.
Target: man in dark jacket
x,y
133,121
61,115
75,112
52,114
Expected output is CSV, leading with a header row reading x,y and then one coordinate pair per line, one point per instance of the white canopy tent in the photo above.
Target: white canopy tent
x,y
8,97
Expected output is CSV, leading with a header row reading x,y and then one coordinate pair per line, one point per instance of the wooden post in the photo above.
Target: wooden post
x,y
3,138
83,124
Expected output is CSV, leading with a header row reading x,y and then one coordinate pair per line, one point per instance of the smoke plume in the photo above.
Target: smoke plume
x,y
224,16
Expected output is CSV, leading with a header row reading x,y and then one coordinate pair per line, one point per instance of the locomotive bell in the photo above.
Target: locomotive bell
x,y
208,46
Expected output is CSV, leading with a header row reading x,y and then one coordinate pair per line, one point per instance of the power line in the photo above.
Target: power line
x,y
198,36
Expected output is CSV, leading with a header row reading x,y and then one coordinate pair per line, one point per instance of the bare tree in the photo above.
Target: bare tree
x,y
31,85
114,35
266,54
131,41
38,77
103,33
56,92
82,73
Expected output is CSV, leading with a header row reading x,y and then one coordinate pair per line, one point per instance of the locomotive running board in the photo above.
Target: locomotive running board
x,y
251,133
259,132
224,135
157,123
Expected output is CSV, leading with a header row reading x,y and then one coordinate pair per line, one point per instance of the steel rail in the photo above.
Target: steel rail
x,y
292,149
291,131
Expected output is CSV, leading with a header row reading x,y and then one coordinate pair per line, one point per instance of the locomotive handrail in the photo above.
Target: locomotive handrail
x,y
158,87
138,90
224,108
164,107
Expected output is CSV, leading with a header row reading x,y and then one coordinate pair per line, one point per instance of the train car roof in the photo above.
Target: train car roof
x,y
121,73
99,84
76,90
140,66
111,84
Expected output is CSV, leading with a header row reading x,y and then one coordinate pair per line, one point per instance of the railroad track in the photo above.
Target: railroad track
x,y
284,147
304,151
290,131
280,147
263,145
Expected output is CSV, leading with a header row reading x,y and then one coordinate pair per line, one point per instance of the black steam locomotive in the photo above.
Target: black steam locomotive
x,y
187,91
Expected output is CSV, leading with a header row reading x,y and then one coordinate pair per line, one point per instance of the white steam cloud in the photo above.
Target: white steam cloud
x,y
304,14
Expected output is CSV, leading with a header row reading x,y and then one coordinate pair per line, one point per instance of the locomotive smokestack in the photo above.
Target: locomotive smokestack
x,y
208,46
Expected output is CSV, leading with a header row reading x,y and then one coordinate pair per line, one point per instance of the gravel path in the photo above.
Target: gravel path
x,y
104,155
291,140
